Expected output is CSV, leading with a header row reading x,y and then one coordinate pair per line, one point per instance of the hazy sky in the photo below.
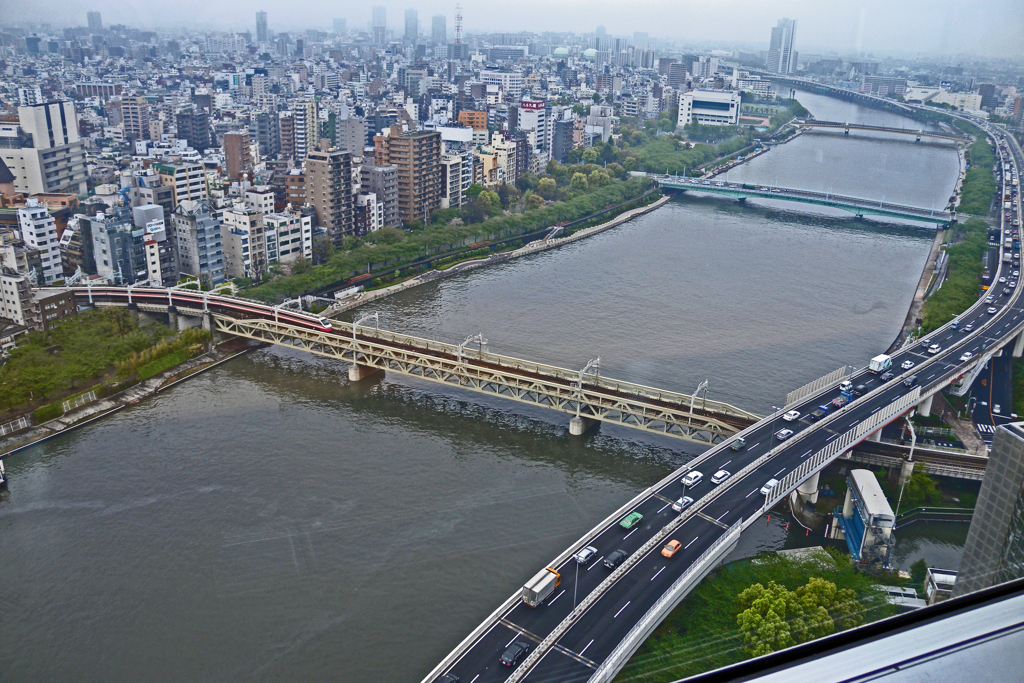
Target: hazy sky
x,y
989,27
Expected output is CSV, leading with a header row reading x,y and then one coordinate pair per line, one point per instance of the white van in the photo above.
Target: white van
x,y
846,386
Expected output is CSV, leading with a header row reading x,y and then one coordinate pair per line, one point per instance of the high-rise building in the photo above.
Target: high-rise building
x,y
95,20
339,27
261,27
382,182
194,127
39,231
988,95
417,154
197,235
307,128
245,246
994,550
187,180
412,26
709,108
380,25
135,118
264,127
438,29
286,134
47,154
534,116
329,189
781,58
237,154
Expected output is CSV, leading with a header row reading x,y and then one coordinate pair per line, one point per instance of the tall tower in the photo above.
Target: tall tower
x,y
458,24
95,20
412,26
380,25
781,58
261,27
439,29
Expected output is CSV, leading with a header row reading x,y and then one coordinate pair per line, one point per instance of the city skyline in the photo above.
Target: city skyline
x,y
953,27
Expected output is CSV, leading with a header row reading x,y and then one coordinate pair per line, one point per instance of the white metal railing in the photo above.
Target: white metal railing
x,y
79,400
14,426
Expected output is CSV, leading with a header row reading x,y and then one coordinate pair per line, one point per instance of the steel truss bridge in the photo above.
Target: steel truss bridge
x,y
583,394
856,205
847,127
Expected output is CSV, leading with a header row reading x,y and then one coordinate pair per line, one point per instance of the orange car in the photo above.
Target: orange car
x,y
671,548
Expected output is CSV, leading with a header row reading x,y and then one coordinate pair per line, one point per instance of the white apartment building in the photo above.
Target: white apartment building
x,y
39,230
288,236
709,107
245,246
510,82
533,116
260,199
44,150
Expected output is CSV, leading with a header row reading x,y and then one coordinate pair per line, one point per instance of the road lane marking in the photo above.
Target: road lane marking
x,y
691,542
596,563
780,472
656,575
663,507
724,464
712,520
750,494
622,608
474,678
831,437
722,515
854,424
630,533
556,597
755,445
806,454
513,639
585,649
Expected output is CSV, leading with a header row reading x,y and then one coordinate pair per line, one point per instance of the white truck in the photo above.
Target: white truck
x,y
538,589
880,363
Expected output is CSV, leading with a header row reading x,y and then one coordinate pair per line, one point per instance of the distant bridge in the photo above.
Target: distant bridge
x,y
847,127
841,93
856,205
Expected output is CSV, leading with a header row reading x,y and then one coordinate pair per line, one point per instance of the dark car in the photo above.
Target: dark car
x,y
910,381
615,558
449,678
513,653
860,390
886,376
817,415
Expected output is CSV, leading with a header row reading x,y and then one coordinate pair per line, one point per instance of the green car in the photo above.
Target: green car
x,y
631,520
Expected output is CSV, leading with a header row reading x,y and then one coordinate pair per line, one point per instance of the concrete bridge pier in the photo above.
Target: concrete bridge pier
x,y
875,435
924,408
906,469
578,426
172,319
807,492
357,373
1018,346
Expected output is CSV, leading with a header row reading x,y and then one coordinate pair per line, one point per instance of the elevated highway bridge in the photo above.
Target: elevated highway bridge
x,y
847,127
858,206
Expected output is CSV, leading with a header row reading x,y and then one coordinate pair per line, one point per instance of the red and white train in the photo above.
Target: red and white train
x,y
239,308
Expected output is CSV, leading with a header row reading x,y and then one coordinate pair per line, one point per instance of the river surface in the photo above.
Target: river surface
x,y
270,521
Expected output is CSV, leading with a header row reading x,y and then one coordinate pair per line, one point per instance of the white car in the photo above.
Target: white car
x,y
991,310
720,476
682,503
692,478
934,348
783,434
968,328
907,364
585,555
995,408
1002,279
791,415
966,356
769,485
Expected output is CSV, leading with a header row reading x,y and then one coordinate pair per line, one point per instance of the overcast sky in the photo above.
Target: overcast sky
x,y
986,27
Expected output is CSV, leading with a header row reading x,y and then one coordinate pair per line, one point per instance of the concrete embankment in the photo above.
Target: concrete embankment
x,y
924,287
82,416
363,298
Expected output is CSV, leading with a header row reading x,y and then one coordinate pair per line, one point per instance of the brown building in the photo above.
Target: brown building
x,y
135,118
473,119
295,188
329,189
417,156
287,135
237,153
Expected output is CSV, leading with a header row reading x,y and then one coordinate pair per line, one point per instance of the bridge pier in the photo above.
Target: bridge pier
x,y
875,435
172,319
924,408
906,469
357,373
807,492
1018,346
578,426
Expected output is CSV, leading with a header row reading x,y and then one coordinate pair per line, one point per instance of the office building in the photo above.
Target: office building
x,y
350,135
412,26
561,140
39,231
988,95
161,257
883,85
261,198
382,182
245,247
237,153
509,82
194,128
95,21
534,116
30,95
187,180
261,28
339,27
417,154
781,56
994,550
135,118
265,129
44,151
329,190
380,25
117,255
438,29
196,229
709,107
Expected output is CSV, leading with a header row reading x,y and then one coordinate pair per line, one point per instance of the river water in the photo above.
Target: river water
x,y
270,521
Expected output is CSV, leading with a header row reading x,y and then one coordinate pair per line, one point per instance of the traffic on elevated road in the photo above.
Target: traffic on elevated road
x,y
574,647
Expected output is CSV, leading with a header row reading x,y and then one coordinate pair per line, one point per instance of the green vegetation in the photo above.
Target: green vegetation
x,y
190,340
703,632
80,351
918,572
167,362
960,290
398,246
979,184
920,490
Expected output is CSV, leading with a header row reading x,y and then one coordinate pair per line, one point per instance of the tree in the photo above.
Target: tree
x,y
921,489
323,248
598,178
547,187
387,235
590,156
773,617
579,182
918,571
473,191
534,201
508,195
597,98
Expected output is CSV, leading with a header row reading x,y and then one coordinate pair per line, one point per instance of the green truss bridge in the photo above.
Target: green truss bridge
x,y
858,206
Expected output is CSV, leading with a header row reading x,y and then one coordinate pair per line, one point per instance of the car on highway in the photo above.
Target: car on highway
x,y
860,390
449,678
585,554
1012,285
791,415
991,310
886,376
682,503
691,478
513,653
720,476
934,348
1006,290
783,434
615,558
631,520
1016,273
965,356
839,401
996,408
910,381
738,444
1002,280
968,328
816,415
768,486
989,299
907,364
671,548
